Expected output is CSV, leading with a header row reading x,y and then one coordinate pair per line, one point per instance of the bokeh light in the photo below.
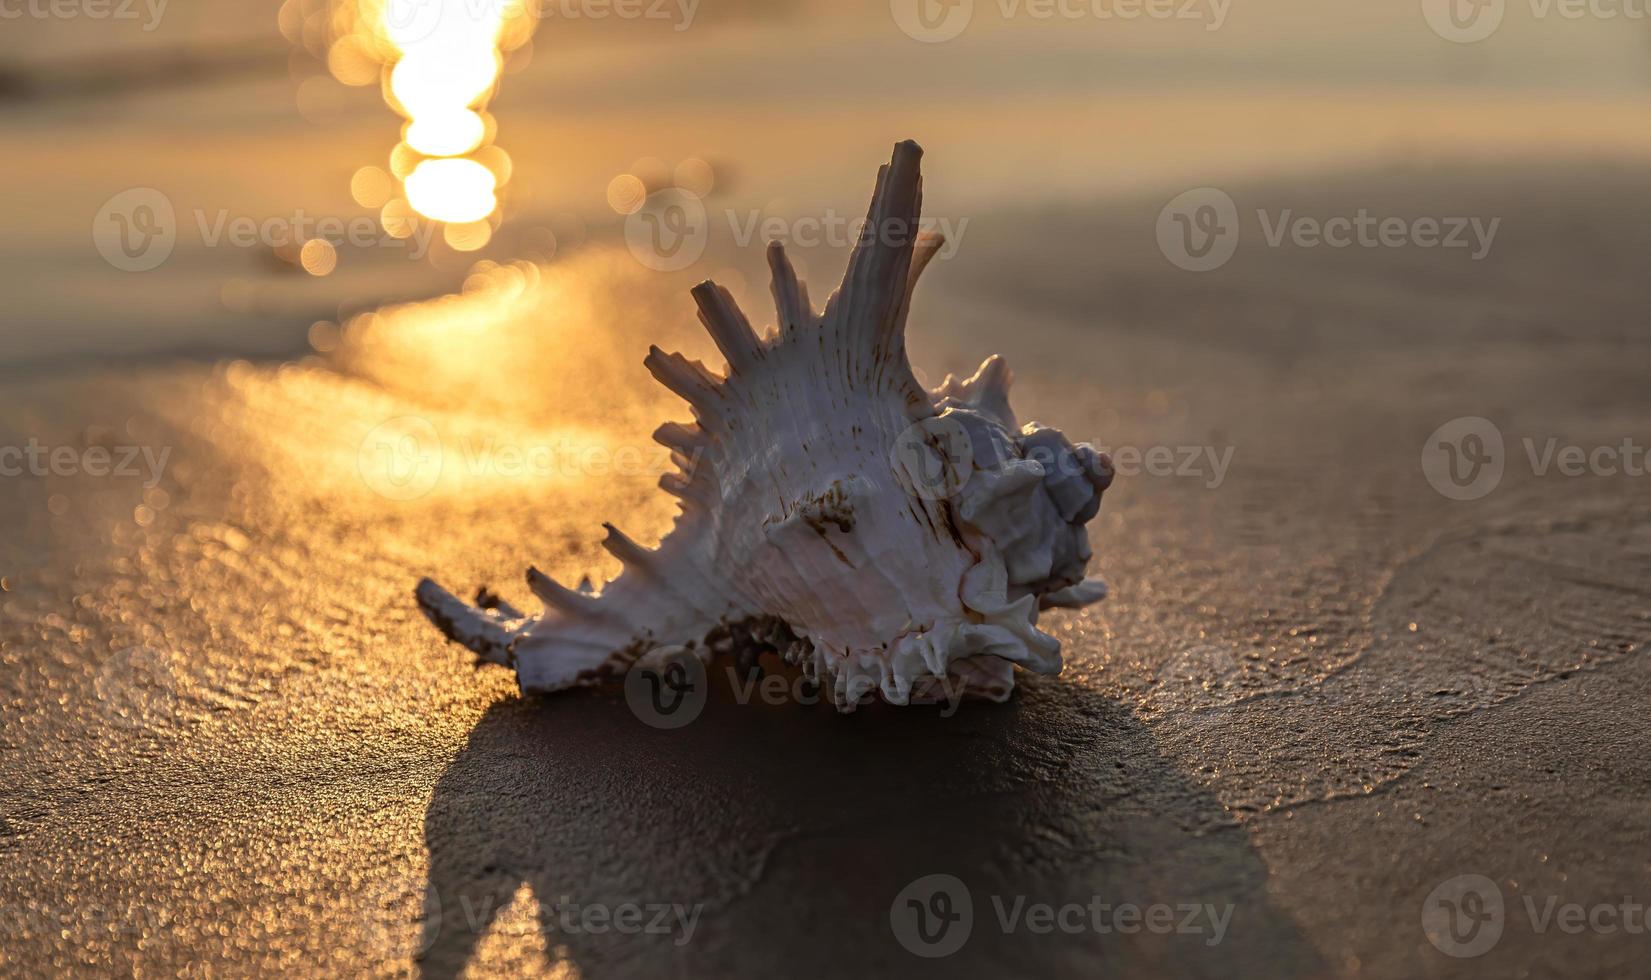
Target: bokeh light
x,y
695,176
448,133
318,257
452,189
469,236
627,193
372,187
438,63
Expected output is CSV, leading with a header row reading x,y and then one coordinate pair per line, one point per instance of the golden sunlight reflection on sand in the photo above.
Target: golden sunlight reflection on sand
x,y
522,391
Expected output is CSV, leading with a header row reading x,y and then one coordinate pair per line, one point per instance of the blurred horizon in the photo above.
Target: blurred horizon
x,y
790,104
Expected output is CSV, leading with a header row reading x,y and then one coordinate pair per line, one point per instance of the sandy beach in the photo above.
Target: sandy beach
x,y
1330,680
227,722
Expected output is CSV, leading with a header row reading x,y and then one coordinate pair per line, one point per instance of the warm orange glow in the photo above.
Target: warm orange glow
x,y
443,61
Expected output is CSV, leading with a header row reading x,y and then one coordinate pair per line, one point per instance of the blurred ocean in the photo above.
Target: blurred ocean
x,y
209,105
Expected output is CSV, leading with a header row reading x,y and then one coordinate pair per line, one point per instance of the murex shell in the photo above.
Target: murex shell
x,y
887,539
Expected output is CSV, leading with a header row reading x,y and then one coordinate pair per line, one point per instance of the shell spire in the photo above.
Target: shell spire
x,y
868,313
893,542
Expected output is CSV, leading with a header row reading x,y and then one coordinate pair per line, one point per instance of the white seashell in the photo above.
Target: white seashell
x,y
887,539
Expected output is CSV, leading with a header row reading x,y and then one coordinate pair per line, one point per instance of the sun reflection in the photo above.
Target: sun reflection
x,y
448,133
450,53
438,62
452,189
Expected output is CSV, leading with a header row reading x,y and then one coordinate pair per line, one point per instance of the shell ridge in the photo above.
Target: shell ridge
x,y
728,327
790,292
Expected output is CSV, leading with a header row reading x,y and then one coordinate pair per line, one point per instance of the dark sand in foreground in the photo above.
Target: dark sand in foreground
x,y
1319,689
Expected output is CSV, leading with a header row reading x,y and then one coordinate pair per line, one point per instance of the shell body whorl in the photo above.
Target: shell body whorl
x,y
905,539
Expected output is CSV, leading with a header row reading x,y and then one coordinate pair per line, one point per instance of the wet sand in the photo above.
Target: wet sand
x,y
1319,689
